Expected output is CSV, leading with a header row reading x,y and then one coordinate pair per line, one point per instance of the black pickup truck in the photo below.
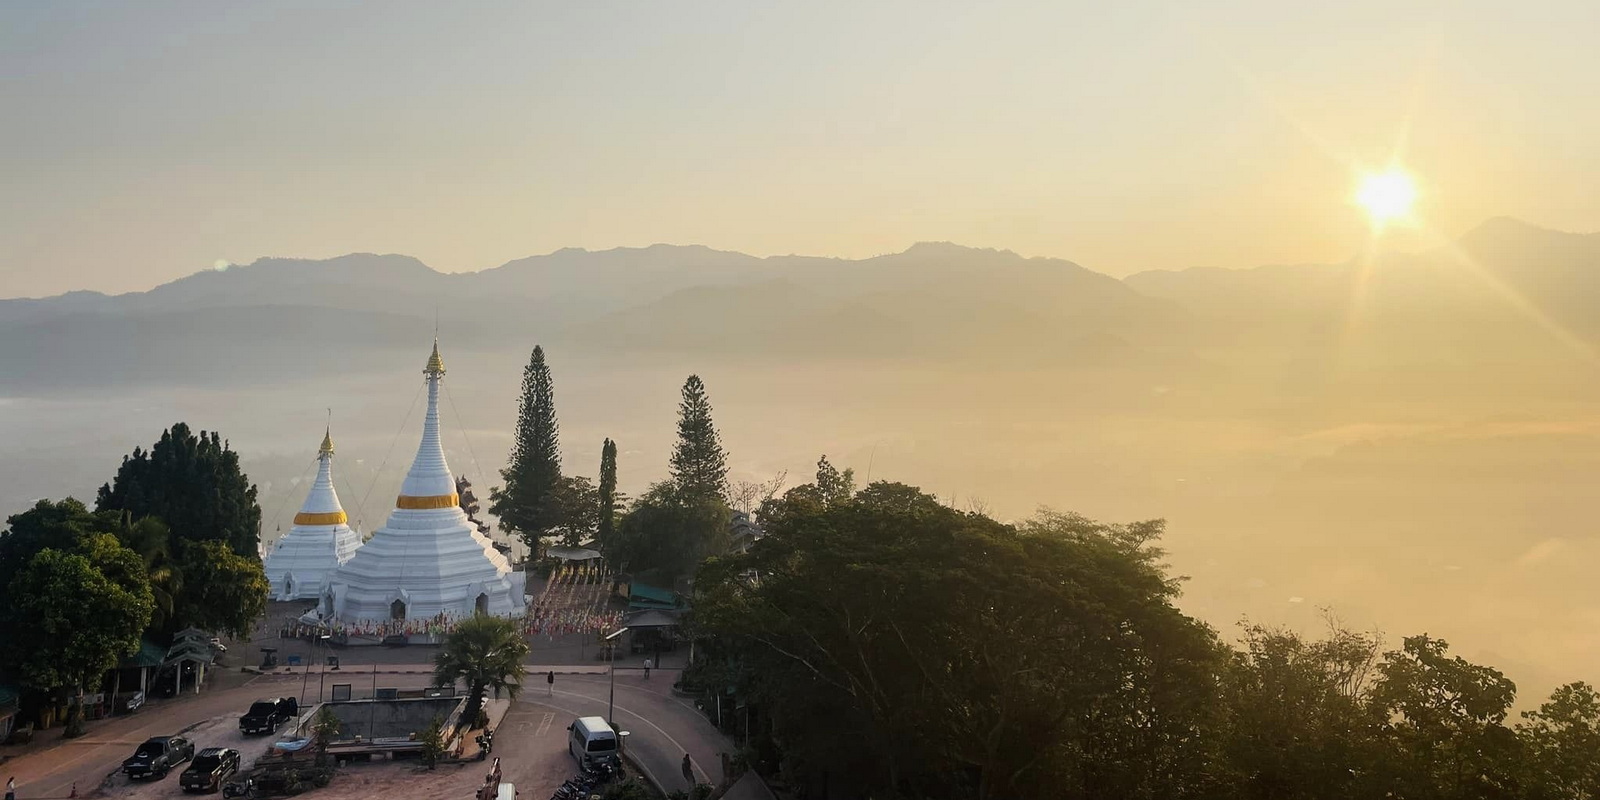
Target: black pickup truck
x,y
209,770
266,715
157,756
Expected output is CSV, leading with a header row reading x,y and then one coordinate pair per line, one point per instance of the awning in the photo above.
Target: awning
x,y
652,618
571,553
149,654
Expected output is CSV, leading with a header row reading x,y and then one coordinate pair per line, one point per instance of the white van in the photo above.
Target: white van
x,y
590,738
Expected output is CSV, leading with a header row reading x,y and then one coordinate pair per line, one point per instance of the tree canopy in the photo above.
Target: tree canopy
x,y
881,644
485,651
699,465
668,531
609,502
73,601
194,485
530,503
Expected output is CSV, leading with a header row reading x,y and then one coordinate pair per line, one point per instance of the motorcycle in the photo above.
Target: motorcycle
x,y
485,744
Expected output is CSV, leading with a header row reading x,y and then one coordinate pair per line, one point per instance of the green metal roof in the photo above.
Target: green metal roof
x,y
642,593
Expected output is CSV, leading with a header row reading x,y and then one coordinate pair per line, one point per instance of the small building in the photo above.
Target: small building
x,y
743,533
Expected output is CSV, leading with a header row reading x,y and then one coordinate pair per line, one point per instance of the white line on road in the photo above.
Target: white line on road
x,y
544,725
675,743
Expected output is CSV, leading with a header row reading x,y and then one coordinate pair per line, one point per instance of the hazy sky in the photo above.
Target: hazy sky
x,y
142,141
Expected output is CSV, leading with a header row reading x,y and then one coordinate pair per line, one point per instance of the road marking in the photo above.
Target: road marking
x,y
675,743
544,724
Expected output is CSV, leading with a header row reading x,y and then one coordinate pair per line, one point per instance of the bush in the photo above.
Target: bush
x,y
630,789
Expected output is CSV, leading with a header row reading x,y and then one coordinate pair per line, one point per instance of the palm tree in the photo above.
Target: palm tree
x,y
150,538
487,652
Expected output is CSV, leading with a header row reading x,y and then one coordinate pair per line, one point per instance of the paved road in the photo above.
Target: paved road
x,y
662,728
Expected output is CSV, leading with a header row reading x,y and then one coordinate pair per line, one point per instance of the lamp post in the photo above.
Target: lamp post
x,y
611,705
322,671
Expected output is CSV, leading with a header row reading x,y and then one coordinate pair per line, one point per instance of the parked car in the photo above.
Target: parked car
x,y
267,714
136,702
157,756
209,770
217,645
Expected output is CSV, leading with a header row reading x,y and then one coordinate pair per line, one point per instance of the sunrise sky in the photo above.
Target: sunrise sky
x,y
143,142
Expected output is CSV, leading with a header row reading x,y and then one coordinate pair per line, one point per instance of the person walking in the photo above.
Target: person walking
x,y
550,683
11,788
647,666
688,770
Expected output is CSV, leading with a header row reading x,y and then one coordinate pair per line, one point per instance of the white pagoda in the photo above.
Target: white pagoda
x,y
319,542
428,560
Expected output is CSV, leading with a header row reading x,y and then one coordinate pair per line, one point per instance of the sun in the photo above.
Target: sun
x,y
1387,196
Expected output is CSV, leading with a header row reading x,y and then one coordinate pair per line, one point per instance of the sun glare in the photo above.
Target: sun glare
x,y
1387,196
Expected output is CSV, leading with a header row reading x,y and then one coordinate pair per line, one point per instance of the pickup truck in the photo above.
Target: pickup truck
x,y
209,770
157,756
266,715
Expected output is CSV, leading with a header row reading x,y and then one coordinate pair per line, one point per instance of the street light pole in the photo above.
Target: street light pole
x,y
611,705
322,671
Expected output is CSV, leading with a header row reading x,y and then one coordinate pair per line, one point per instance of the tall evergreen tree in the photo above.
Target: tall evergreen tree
x,y
699,465
529,503
608,493
194,484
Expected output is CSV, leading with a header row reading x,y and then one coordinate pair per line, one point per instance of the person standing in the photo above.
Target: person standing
x,y
11,788
550,683
688,770
647,666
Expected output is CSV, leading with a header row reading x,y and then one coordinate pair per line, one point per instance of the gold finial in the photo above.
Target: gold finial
x,y
435,363
327,444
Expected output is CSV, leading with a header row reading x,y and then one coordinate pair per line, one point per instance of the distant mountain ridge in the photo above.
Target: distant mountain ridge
x,y
1491,292
934,301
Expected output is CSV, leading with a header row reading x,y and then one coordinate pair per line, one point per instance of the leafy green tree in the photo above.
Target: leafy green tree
x,y
325,729
151,540
1446,716
194,485
606,528
833,484
432,738
220,590
945,638
668,531
486,652
62,525
579,503
71,614
1562,745
1299,726
699,465
529,504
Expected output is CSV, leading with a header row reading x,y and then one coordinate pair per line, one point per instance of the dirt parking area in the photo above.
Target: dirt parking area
x,y
215,732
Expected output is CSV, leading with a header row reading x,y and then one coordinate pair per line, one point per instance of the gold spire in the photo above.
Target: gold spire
x,y
435,363
327,443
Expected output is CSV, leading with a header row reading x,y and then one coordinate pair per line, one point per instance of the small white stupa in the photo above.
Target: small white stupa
x,y
428,559
319,542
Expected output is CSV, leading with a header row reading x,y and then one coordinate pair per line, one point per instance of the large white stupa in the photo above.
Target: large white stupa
x,y
428,560
319,542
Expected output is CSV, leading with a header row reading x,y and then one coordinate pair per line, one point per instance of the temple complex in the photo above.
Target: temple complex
x,y
319,542
429,562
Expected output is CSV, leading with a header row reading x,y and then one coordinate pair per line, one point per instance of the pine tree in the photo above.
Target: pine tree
x,y
699,465
608,492
528,504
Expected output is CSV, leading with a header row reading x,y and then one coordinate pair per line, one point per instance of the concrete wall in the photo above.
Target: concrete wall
x,y
378,719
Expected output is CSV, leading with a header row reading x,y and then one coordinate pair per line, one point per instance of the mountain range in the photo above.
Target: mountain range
x,y
1504,290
